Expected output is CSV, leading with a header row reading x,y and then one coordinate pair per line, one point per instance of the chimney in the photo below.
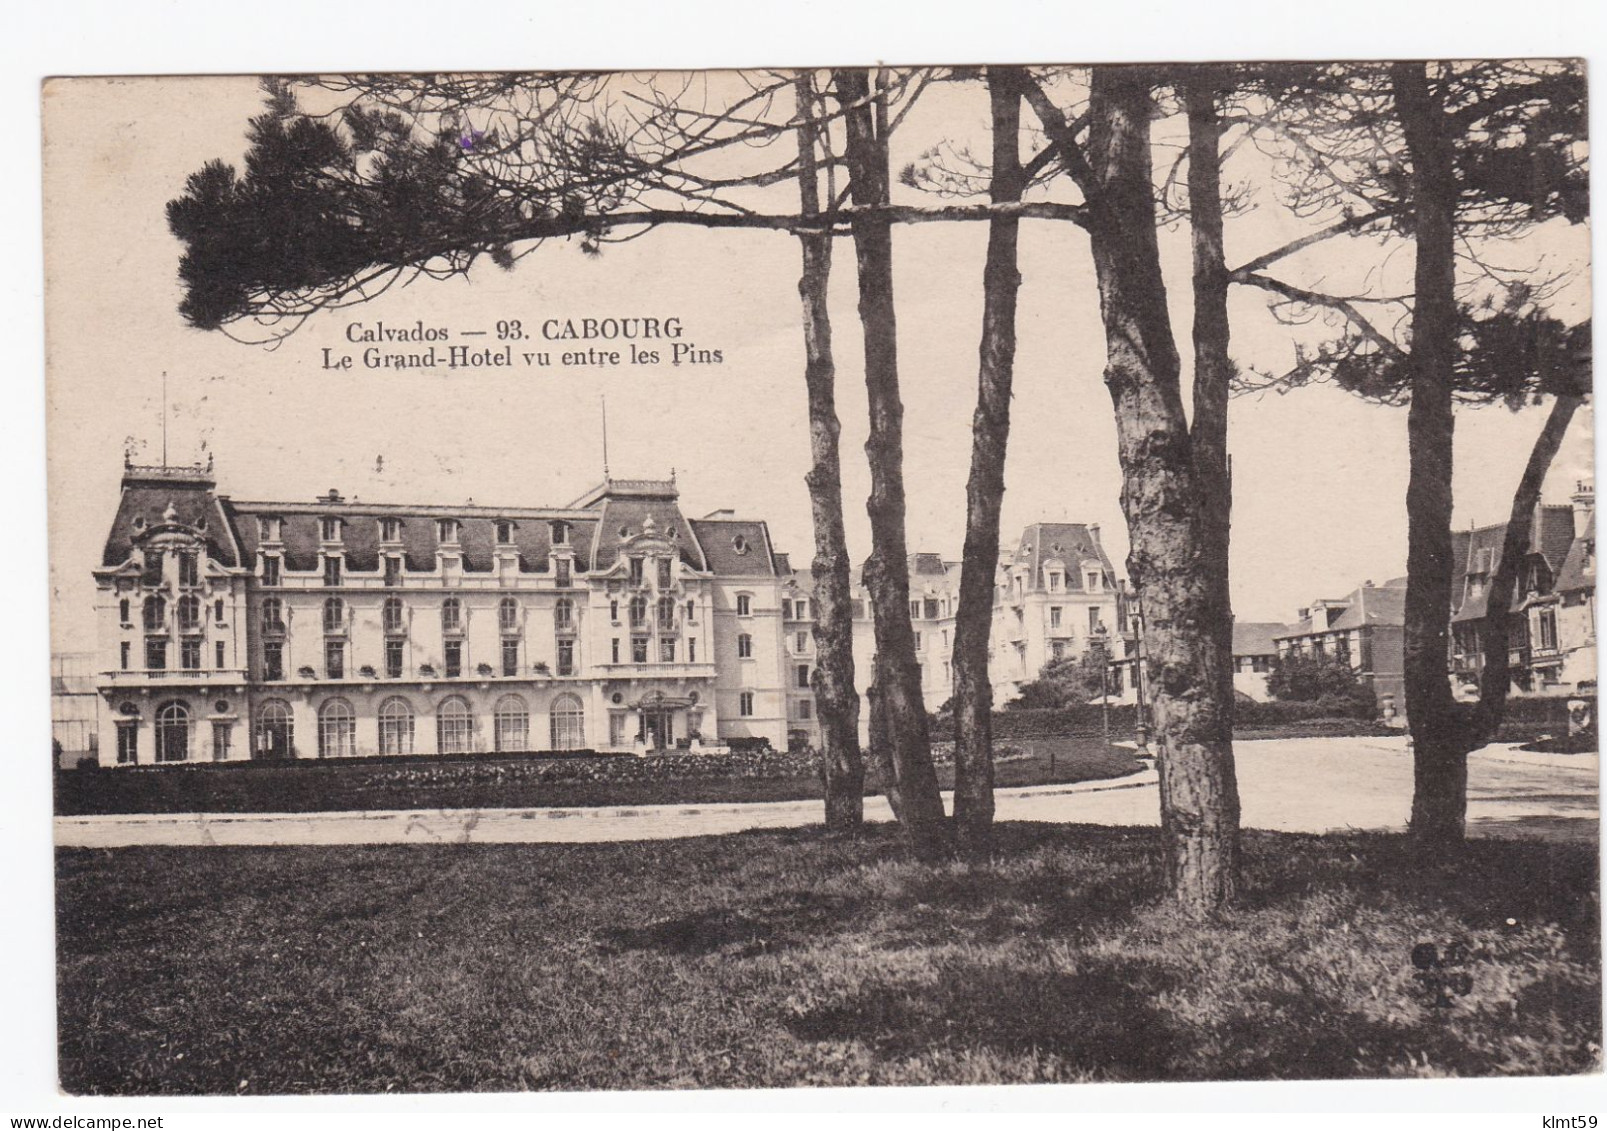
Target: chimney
x,y
1584,501
332,497
1093,532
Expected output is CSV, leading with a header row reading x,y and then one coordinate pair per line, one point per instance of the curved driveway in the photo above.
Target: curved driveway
x,y
1289,785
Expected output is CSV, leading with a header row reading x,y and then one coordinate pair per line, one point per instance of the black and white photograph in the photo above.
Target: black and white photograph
x,y
864,576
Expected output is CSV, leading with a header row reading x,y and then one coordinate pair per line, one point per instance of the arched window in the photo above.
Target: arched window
x,y
274,730
638,611
508,615
563,612
273,615
173,732
454,726
395,726
155,614
451,615
568,723
334,614
666,614
189,613
337,730
392,615
512,724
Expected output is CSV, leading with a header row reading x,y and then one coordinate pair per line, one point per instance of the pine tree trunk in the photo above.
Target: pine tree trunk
x,y
1439,792
837,703
1213,377
897,674
1199,801
984,492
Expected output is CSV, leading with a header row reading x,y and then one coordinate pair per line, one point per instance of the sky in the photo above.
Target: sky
x,y
1319,475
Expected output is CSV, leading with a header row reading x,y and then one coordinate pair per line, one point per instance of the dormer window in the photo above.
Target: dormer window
x,y
560,533
390,530
332,570
739,544
504,533
189,568
446,531
329,528
393,571
636,571
1054,581
664,573
270,571
561,573
1093,583
268,528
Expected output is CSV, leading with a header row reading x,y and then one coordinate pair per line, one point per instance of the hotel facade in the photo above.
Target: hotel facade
x,y
232,630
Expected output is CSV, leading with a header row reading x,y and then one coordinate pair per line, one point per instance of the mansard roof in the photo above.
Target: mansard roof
x,y
1071,543
360,534
602,523
627,516
150,494
736,546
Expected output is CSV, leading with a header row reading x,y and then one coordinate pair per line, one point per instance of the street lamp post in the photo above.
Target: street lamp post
x,y
1138,677
1099,645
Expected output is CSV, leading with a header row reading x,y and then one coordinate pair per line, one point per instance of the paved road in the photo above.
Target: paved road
x,y
1290,785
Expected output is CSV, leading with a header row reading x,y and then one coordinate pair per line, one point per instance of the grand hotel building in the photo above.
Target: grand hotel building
x,y
233,630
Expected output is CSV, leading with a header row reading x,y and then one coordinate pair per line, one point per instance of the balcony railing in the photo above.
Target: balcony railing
x,y
145,676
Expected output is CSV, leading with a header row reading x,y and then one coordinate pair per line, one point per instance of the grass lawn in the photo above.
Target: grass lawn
x,y
358,784
797,958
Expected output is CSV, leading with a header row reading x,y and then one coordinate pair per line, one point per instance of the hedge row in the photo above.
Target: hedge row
x,y
1088,719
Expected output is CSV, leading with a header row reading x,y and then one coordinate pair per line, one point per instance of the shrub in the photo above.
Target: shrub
x,y
1322,679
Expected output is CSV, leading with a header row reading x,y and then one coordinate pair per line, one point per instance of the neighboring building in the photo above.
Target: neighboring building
x,y
1053,593
1255,647
1552,634
74,707
234,630
1476,556
1364,629
1575,593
